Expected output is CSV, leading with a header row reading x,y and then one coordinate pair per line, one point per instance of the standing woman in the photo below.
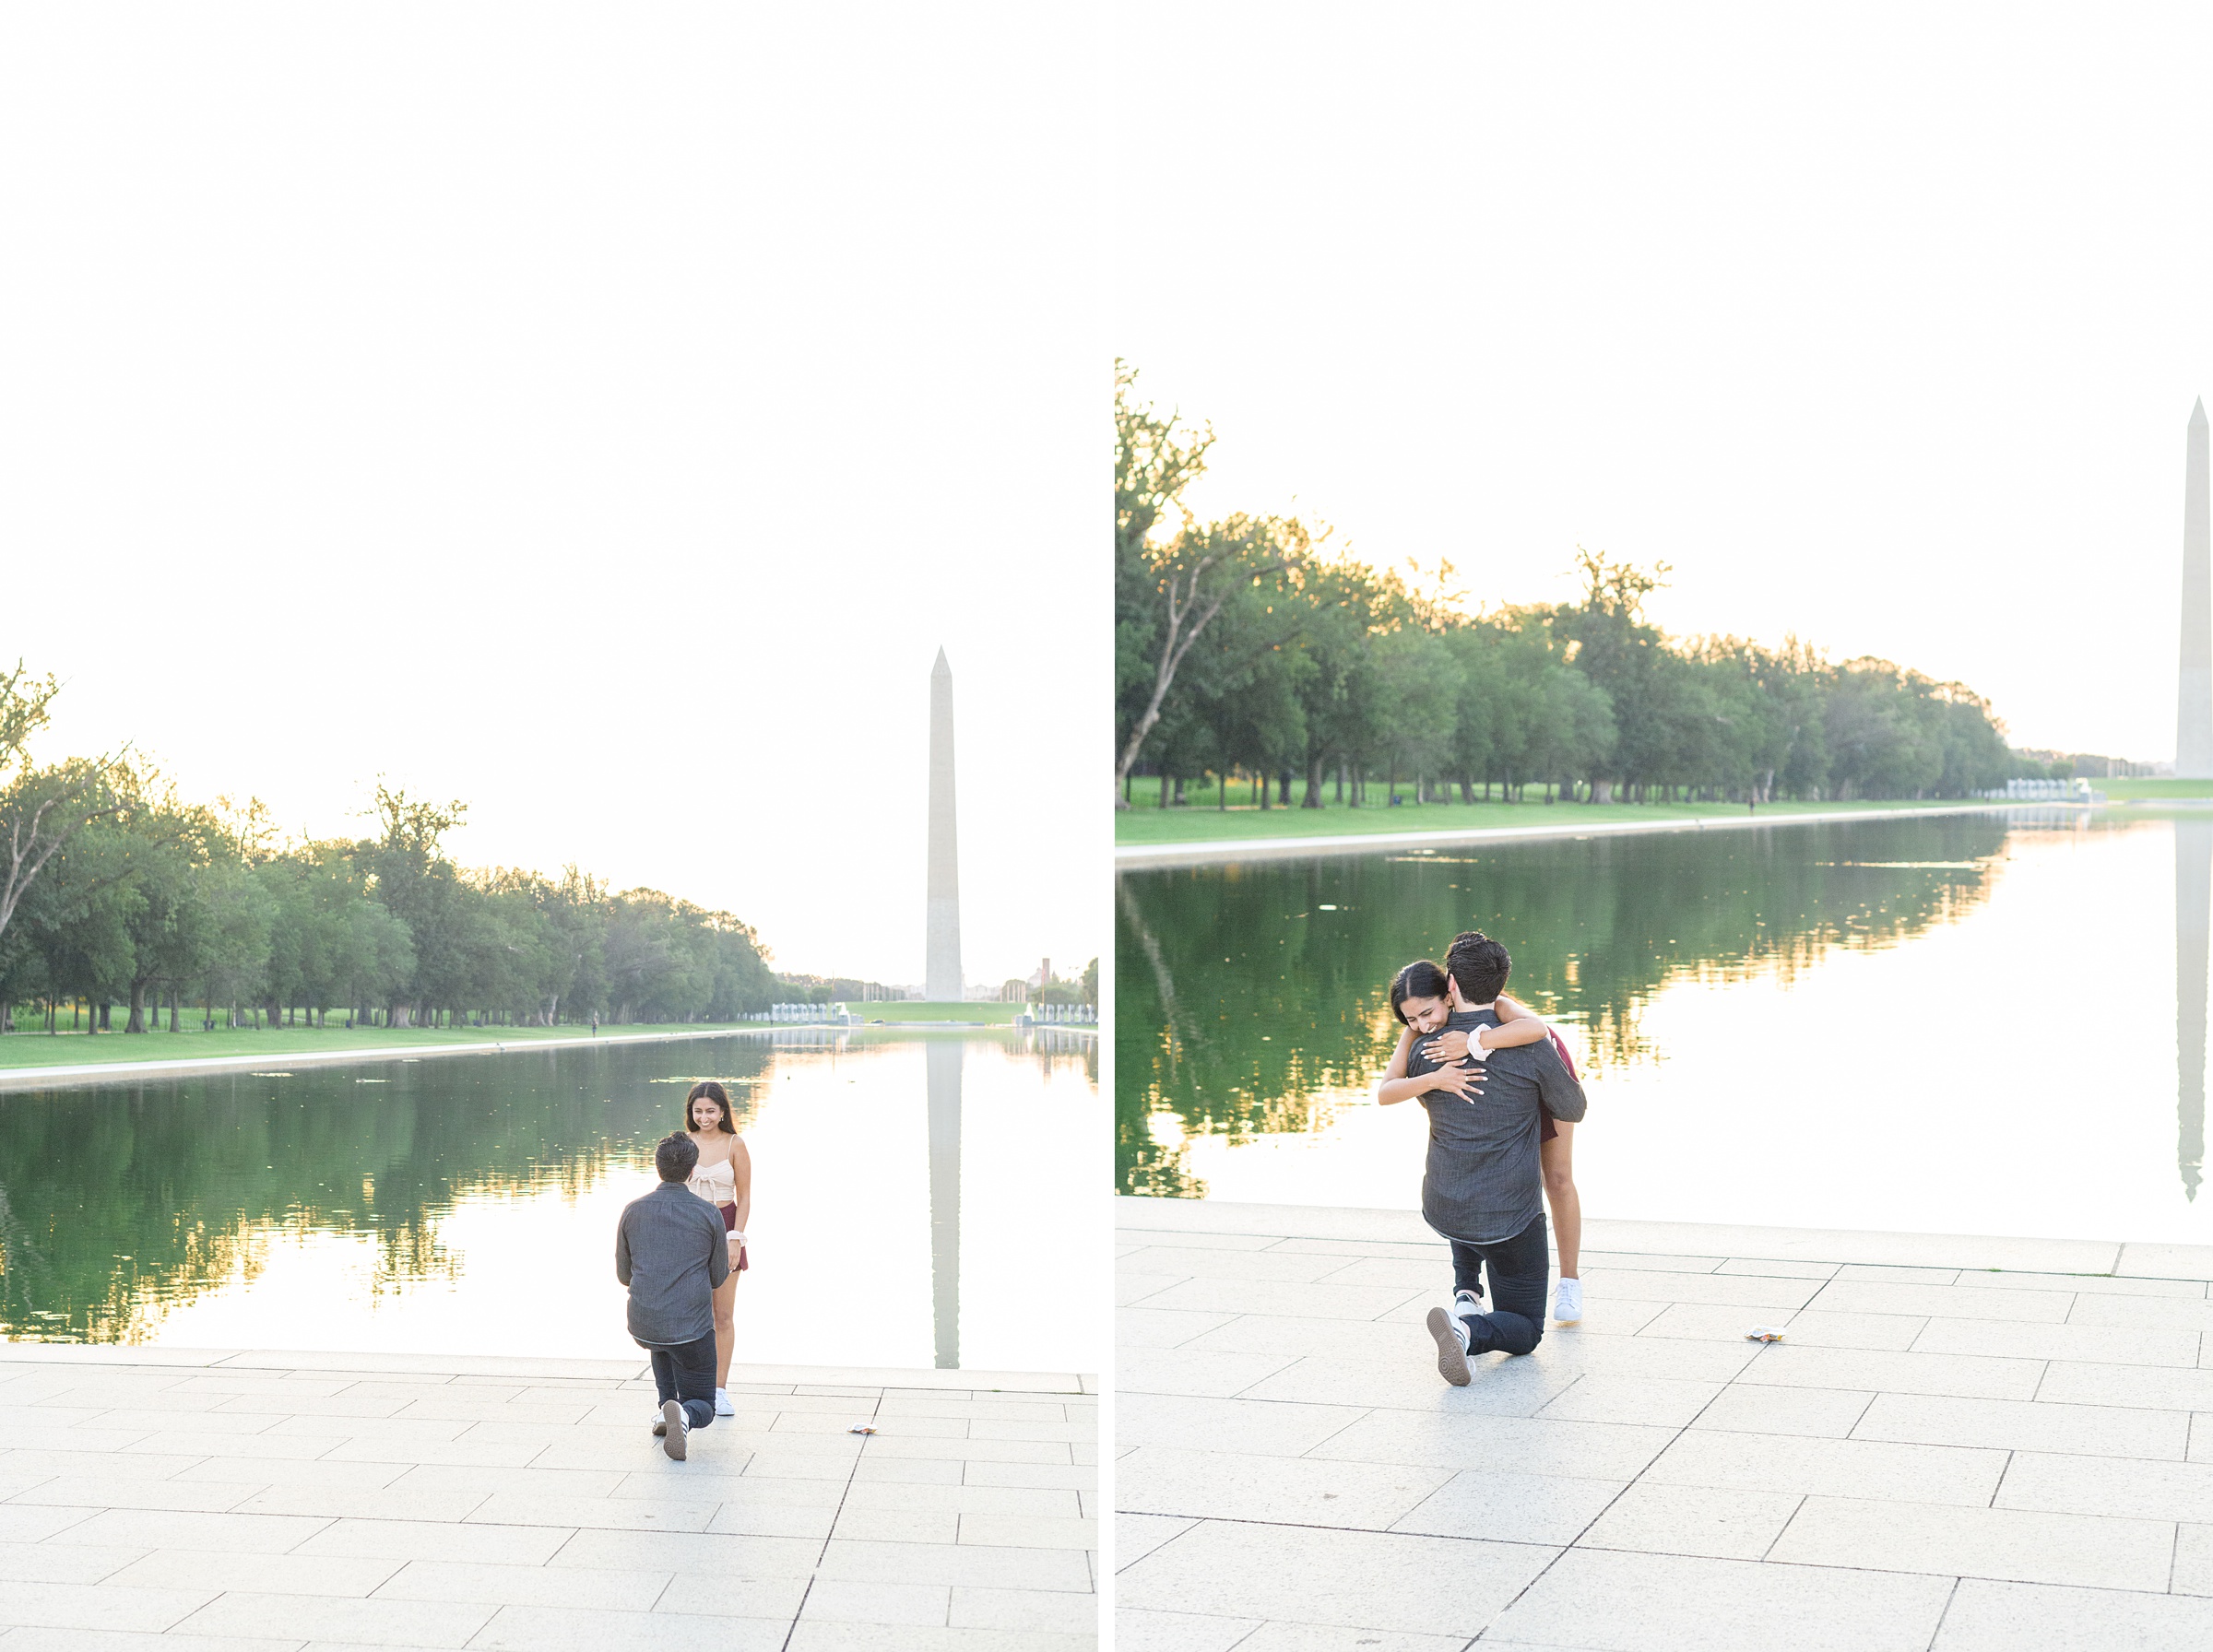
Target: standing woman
x,y
724,1177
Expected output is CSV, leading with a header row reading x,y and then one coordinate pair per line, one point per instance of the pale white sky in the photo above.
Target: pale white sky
x,y
1881,322
601,414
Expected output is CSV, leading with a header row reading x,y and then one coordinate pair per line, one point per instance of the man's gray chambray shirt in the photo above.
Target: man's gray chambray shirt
x,y
1482,1182
671,1250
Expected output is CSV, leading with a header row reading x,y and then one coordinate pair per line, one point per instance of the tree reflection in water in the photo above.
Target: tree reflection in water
x,y
120,1201
1246,994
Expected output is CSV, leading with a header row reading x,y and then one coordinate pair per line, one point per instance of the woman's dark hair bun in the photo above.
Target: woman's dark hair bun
x,y
1423,978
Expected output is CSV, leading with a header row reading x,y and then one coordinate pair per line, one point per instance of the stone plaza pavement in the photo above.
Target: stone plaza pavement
x,y
1960,1443
181,1501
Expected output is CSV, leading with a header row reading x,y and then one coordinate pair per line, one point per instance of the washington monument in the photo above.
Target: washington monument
x,y
941,957
2194,713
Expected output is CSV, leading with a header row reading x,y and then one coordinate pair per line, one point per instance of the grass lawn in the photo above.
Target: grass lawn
x,y
897,1011
32,1048
1189,825
2154,786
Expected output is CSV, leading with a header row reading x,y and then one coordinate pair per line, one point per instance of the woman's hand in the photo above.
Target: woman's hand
x,y
737,1245
1453,1046
1465,1082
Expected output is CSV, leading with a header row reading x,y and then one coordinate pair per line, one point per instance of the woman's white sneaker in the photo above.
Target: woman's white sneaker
x,y
1567,1301
723,1408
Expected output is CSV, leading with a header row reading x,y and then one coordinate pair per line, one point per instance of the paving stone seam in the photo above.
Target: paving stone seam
x,y
21,1360
852,1471
1796,1509
1196,1521
1840,1566
1362,1532
1133,1212
1638,1477
1936,1634
1824,1565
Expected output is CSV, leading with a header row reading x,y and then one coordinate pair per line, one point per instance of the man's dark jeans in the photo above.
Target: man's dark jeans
x,y
1519,1269
687,1373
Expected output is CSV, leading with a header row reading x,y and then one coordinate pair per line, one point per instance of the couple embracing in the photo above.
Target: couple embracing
x,y
1503,1102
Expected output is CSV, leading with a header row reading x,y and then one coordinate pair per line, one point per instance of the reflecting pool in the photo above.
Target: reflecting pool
x,y
1987,1023
910,1200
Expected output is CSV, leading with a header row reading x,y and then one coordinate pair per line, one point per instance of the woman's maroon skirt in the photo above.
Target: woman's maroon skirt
x,y
729,1223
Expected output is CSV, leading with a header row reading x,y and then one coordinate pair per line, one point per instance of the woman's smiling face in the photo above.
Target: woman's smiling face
x,y
706,1115
1424,1015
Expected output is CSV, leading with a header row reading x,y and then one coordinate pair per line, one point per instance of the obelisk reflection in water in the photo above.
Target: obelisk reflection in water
x,y
2193,900
944,1068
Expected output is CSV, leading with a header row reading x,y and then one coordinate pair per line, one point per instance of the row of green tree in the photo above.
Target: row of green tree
x,y
115,890
1240,646
793,988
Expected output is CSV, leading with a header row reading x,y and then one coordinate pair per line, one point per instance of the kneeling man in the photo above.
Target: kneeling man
x,y
670,1251
1481,1186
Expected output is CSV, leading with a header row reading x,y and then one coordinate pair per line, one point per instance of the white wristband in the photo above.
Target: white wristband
x,y
737,1235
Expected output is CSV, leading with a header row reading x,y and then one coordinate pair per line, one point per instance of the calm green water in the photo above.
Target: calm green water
x,y
467,1203
1969,1023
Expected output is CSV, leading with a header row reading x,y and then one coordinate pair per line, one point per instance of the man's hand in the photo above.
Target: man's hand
x,y
1466,1082
1453,1046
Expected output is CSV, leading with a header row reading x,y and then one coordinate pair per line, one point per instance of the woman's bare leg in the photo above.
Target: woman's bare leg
x,y
1558,1157
726,1303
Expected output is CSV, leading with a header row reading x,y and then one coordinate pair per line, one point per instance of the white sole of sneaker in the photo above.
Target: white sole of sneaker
x,y
672,1430
1451,1357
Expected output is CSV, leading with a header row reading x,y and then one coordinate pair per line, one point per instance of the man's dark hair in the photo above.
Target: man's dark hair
x,y
1478,965
675,1158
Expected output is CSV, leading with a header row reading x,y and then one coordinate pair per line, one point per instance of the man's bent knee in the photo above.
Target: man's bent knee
x,y
1519,1340
1504,1333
